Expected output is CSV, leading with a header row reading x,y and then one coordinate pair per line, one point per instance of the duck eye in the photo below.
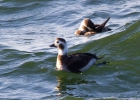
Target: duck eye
x,y
57,41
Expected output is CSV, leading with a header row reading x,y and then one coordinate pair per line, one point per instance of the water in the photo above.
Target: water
x,y
27,63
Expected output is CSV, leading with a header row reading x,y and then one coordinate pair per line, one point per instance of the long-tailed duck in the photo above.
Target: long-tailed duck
x,y
87,27
75,63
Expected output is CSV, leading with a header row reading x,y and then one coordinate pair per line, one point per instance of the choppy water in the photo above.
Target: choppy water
x,y
27,63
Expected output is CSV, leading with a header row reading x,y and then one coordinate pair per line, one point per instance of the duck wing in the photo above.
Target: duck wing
x,y
78,61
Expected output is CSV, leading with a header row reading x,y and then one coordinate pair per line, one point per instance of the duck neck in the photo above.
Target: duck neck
x,y
63,51
62,59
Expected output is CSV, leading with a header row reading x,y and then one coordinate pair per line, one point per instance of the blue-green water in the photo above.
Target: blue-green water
x,y
27,63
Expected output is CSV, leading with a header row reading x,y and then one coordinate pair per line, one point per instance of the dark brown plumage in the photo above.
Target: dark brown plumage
x,y
75,63
88,28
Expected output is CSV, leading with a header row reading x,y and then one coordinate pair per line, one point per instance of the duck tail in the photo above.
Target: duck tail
x,y
100,27
102,63
100,57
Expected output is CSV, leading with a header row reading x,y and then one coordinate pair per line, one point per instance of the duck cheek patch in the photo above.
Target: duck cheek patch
x,y
61,47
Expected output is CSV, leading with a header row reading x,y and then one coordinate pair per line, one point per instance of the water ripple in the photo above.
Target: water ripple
x,y
27,63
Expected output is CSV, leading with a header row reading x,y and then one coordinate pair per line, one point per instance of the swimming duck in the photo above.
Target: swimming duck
x,y
75,63
87,28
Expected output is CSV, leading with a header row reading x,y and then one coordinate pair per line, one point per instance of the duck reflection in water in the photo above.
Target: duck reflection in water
x,y
66,84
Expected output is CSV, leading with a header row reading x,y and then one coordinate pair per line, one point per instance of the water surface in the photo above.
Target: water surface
x,y
27,63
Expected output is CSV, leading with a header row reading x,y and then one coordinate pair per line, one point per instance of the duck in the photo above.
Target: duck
x,y
88,28
75,63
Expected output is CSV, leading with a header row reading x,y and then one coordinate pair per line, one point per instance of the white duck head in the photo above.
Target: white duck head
x,y
61,44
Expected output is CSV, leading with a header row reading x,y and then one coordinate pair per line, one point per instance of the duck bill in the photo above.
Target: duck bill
x,y
52,45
